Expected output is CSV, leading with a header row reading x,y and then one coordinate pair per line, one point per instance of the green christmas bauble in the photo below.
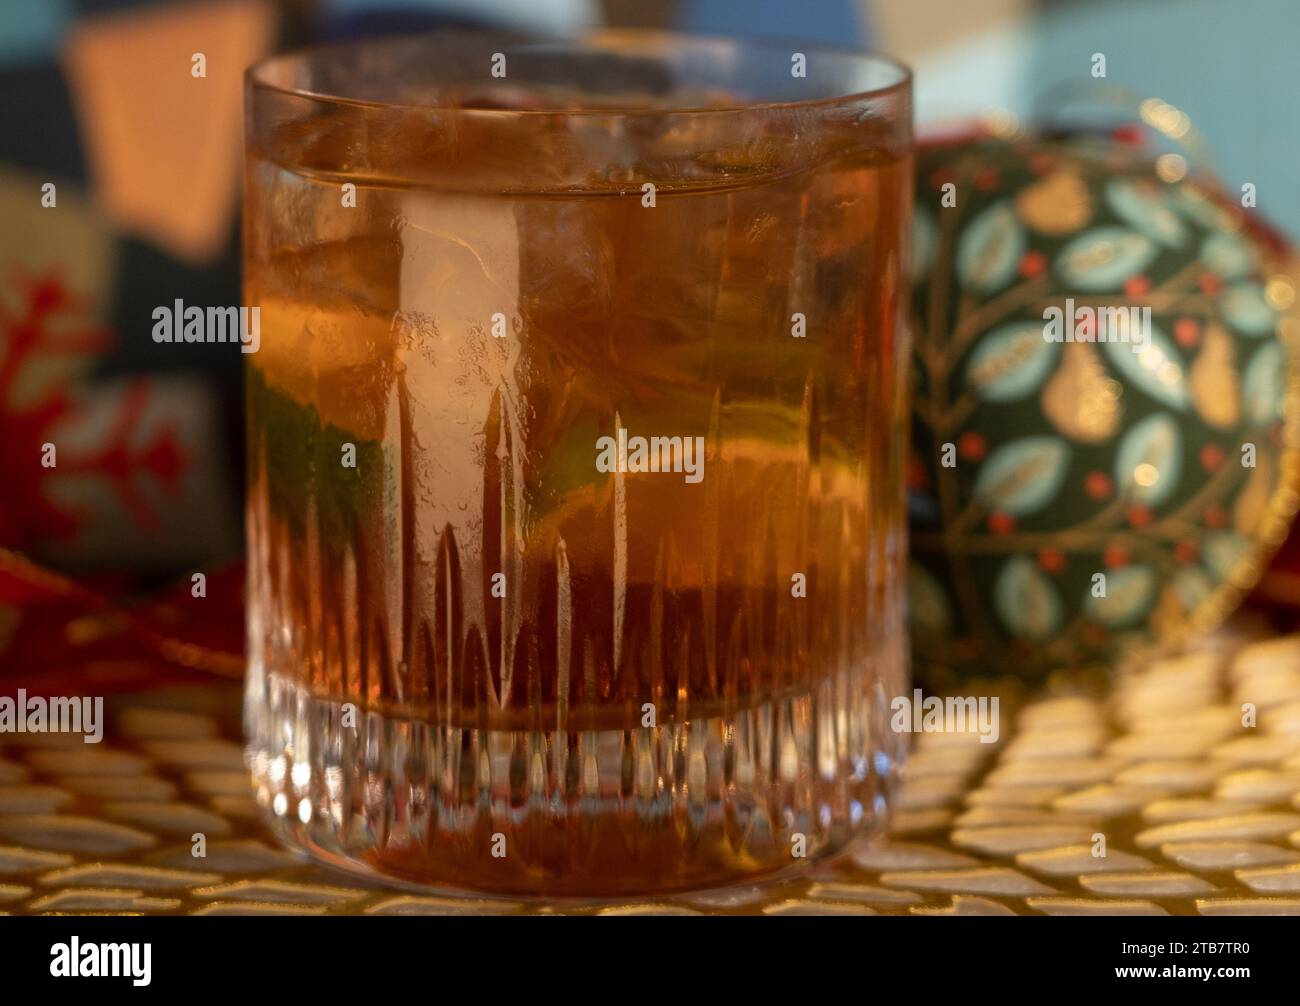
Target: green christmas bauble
x,y
1105,447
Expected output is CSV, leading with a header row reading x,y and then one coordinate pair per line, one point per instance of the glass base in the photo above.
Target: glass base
x,y
713,800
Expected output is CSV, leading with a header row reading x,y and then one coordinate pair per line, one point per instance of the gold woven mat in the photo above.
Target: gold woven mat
x,y
1199,814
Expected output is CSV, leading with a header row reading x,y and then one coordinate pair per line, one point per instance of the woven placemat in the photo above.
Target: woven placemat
x,y
1200,814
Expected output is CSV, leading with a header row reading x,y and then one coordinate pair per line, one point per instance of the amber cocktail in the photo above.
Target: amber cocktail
x,y
575,506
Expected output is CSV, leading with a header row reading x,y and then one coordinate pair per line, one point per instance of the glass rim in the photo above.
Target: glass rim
x,y
257,75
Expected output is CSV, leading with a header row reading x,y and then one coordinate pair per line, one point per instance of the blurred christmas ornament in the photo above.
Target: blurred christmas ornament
x,y
1106,444
102,471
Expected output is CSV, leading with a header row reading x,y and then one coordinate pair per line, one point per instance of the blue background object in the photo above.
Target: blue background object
x,y
832,22
1229,66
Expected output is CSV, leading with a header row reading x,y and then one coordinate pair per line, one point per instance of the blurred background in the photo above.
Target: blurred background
x,y
99,99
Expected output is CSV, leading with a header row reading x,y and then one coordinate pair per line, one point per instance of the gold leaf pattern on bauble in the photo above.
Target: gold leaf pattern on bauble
x,y
1215,385
1249,510
1058,204
1081,400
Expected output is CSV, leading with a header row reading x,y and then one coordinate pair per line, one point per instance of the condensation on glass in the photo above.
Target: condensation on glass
x,y
481,655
